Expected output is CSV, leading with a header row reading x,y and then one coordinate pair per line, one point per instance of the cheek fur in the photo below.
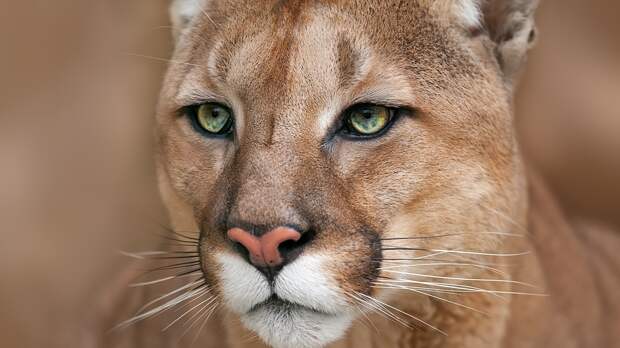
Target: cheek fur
x,y
311,272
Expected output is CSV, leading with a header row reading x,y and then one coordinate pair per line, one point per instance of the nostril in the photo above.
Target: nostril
x,y
249,242
290,249
272,241
271,249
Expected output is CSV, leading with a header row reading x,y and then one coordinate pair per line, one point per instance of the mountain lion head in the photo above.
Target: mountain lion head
x,y
344,157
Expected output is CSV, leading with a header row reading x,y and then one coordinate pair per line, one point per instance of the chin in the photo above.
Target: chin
x,y
286,325
302,308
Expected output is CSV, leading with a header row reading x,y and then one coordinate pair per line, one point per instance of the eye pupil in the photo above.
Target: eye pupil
x,y
214,119
368,120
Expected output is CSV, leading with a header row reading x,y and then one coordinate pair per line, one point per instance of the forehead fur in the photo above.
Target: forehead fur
x,y
271,40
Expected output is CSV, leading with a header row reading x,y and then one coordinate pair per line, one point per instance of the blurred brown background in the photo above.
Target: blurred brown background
x,y
76,116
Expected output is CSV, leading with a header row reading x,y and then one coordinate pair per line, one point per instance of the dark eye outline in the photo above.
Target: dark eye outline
x,y
349,132
192,113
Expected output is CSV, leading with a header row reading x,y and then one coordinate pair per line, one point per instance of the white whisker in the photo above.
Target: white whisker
x,y
164,307
196,316
202,313
186,286
429,255
455,234
437,297
495,270
458,257
405,313
459,287
157,281
208,301
141,255
463,279
481,253
206,319
432,284
159,59
434,290
374,307
367,319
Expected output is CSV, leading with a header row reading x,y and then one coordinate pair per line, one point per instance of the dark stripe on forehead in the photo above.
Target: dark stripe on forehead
x,y
287,16
294,7
223,56
347,62
280,20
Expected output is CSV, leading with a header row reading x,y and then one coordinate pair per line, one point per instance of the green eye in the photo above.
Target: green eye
x,y
368,120
214,118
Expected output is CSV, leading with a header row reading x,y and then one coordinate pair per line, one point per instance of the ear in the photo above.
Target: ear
x,y
182,12
510,24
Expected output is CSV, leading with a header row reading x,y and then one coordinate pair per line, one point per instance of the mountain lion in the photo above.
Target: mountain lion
x,y
346,174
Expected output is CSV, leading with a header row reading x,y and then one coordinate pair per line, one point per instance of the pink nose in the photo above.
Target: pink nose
x,y
264,249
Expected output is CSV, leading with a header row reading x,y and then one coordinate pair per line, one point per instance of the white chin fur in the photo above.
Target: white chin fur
x,y
296,328
304,283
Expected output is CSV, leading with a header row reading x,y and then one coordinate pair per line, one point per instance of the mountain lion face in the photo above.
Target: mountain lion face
x,y
338,156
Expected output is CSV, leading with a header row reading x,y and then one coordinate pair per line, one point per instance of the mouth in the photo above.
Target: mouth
x,y
281,305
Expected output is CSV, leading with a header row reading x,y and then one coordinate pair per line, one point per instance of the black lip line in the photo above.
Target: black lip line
x,y
279,301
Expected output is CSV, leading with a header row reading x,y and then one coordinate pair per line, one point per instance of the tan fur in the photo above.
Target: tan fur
x,y
287,69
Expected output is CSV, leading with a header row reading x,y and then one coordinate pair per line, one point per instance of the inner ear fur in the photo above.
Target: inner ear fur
x,y
510,25
182,12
